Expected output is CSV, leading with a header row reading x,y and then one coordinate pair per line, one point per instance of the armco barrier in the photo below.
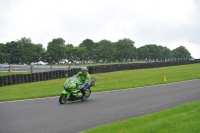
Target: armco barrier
x,y
42,76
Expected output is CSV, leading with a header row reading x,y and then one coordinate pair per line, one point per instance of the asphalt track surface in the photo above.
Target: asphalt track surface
x,y
48,116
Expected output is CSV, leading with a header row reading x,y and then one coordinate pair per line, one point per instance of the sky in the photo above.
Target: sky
x,y
169,23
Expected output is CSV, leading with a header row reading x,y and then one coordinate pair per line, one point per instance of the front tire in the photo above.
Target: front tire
x,y
63,98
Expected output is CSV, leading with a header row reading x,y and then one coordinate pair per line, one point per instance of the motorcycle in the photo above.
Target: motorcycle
x,y
72,92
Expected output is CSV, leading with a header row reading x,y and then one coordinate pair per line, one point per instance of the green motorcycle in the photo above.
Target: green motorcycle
x,y
72,92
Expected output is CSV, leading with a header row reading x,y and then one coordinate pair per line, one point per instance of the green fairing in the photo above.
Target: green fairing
x,y
73,88
73,85
65,92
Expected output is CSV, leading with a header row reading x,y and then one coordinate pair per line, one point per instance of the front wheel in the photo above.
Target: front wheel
x,y
87,94
63,98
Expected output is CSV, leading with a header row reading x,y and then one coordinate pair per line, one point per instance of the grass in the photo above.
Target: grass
x,y
10,73
105,82
181,119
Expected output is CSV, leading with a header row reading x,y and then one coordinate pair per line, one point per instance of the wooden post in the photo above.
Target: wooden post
x,y
10,68
51,67
31,68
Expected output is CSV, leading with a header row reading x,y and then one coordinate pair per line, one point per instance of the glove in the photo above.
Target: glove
x,y
84,86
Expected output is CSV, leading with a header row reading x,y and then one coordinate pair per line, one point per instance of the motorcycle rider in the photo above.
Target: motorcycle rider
x,y
84,77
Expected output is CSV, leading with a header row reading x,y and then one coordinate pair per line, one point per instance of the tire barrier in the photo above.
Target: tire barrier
x,y
37,76
14,79
54,75
26,79
22,78
10,80
1,81
50,75
33,77
57,74
29,77
43,76
18,79
60,74
5,80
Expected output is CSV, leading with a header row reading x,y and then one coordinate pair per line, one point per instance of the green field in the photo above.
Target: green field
x,y
182,119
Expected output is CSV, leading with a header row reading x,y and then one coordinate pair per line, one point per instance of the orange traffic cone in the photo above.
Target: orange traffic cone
x,y
165,79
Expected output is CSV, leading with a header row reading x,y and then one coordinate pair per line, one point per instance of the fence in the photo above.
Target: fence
x,y
34,68
42,76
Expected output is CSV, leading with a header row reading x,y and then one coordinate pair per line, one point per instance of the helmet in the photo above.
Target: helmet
x,y
84,69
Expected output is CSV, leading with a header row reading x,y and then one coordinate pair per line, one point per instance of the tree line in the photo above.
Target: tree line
x,y
24,51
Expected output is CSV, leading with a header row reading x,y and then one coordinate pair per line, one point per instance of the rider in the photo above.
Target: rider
x,y
84,77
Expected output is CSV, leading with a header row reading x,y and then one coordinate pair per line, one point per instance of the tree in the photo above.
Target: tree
x,y
38,53
166,52
79,53
143,53
104,50
31,52
181,52
125,49
89,46
4,56
154,51
14,51
75,53
56,50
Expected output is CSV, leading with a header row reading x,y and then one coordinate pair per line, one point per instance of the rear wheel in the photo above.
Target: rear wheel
x,y
87,94
63,99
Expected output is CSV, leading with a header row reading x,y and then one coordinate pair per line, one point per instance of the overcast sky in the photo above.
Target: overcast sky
x,y
170,23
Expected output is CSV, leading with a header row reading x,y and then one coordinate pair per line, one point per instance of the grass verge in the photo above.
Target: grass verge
x,y
181,119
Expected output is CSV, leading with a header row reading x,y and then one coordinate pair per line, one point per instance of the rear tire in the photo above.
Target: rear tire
x,y
63,99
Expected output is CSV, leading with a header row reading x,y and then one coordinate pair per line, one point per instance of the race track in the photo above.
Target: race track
x,y
48,116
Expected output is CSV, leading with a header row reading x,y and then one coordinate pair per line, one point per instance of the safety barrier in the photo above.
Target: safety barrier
x,y
120,67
